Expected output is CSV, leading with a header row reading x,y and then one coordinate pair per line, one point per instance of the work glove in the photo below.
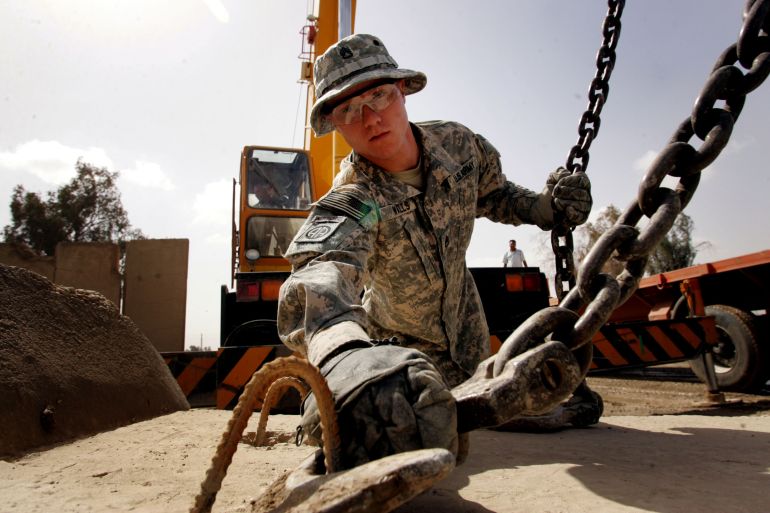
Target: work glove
x,y
389,399
571,195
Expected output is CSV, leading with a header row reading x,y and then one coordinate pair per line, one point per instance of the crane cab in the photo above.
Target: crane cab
x,y
274,199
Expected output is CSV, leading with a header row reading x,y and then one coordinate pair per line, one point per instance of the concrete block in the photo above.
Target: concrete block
x,y
156,290
90,266
11,254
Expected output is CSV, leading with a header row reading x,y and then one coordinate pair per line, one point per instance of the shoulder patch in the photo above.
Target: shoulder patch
x,y
320,228
349,204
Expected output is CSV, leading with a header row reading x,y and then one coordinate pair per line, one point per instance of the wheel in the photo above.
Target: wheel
x,y
739,360
261,332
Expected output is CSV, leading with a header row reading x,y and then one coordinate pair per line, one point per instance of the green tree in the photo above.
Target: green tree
x,y
87,209
675,251
589,233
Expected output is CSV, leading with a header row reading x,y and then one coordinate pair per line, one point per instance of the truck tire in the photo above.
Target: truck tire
x,y
257,332
739,360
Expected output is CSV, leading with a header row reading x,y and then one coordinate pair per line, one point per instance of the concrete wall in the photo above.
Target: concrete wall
x,y
10,255
90,266
155,296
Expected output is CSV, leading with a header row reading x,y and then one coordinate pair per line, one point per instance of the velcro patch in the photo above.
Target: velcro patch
x,y
398,209
321,228
464,171
345,202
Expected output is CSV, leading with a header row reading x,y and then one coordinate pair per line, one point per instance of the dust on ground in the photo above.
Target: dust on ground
x,y
658,449
671,390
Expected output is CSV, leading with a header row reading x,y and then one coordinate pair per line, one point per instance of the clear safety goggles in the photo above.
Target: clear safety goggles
x,y
377,99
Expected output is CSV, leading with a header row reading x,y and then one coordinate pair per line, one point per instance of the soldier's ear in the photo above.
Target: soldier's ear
x,y
401,87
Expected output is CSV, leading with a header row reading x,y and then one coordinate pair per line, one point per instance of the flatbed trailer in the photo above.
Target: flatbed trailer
x,y
733,292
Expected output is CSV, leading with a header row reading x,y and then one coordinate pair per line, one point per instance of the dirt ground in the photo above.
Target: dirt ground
x,y
659,448
672,390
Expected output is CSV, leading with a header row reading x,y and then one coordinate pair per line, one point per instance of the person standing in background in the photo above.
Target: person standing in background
x,y
514,257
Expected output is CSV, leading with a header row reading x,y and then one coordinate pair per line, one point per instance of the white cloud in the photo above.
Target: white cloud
x,y
52,161
643,163
147,174
218,10
213,206
736,146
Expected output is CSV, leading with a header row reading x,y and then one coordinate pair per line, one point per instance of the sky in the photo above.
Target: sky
x,y
168,93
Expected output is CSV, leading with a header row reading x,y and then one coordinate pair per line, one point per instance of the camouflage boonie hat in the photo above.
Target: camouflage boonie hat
x,y
351,61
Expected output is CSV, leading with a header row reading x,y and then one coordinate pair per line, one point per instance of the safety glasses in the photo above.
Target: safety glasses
x,y
378,99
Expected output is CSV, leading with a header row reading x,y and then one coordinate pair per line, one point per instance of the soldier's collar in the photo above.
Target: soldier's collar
x,y
392,190
439,165
436,160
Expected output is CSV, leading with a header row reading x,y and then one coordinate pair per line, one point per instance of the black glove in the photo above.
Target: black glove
x,y
389,399
571,194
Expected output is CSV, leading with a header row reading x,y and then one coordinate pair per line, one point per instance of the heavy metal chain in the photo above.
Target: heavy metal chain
x,y
713,116
588,129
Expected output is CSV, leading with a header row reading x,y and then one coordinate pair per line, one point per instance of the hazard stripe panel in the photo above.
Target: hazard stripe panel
x,y
638,344
246,365
643,343
217,378
194,373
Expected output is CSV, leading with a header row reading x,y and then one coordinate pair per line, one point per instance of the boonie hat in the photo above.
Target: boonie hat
x,y
351,61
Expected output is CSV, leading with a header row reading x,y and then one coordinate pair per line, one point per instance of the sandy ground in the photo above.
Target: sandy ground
x,y
698,459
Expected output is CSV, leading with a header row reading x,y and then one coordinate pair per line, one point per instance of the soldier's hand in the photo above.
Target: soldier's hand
x,y
389,399
571,194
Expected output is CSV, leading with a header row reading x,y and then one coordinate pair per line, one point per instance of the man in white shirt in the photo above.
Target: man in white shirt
x,y
514,257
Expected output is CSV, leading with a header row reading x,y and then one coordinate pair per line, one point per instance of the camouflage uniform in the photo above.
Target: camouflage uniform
x,y
405,250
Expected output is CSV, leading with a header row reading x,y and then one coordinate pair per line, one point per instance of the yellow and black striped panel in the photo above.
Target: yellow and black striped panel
x,y
638,344
235,367
195,372
217,378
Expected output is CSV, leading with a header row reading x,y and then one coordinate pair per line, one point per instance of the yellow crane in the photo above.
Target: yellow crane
x,y
273,196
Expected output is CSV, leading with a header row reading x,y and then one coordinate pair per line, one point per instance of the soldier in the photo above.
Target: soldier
x,y
381,259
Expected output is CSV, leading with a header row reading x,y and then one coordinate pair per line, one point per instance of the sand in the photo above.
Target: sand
x,y
669,463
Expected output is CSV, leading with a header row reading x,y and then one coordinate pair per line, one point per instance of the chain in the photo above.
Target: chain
x,y
601,294
588,129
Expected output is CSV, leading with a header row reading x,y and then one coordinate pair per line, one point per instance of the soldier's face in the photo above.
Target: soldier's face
x,y
380,136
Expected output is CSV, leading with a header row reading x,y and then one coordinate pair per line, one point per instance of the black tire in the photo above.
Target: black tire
x,y
739,360
262,332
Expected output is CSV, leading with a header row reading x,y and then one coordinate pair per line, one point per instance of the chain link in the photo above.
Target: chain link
x,y
600,293
588,129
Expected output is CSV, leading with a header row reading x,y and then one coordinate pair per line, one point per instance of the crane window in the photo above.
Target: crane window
x,y
271,236
278,179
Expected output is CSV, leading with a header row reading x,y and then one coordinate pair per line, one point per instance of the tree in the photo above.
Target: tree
x,y
87,209
675,251
198,348
589,233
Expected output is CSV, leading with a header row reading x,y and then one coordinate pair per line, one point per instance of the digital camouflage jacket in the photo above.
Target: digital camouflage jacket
x,y
378,258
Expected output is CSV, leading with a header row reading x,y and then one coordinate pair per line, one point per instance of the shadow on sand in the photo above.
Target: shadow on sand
x,y
661,464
